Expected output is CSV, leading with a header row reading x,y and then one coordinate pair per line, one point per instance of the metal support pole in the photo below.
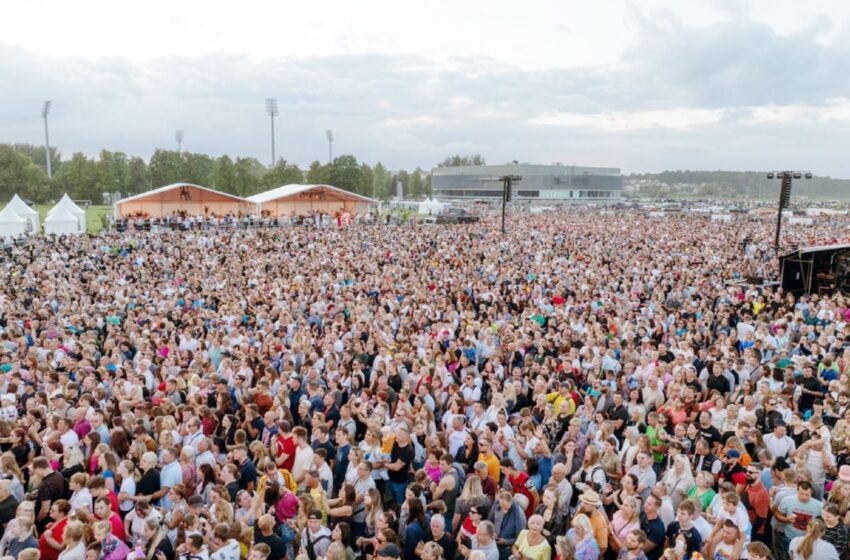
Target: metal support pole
x,y
506,184
47,147
786,188
273,155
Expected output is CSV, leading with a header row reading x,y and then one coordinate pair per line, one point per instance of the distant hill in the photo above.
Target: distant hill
x,y
748,184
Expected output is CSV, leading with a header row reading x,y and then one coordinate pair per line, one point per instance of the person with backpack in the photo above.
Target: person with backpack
x,y
315,538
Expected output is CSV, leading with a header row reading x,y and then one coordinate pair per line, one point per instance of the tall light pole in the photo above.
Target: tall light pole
x,y
787,177
44,112
271,110
330,135
178,135
507,186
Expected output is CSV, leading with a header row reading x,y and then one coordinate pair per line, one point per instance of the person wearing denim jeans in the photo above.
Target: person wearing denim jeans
x,y
401,458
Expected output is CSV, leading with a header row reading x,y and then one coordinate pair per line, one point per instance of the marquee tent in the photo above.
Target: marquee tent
x,y
73,209
11,225
431,207
23,210
61,221
193,200
302,199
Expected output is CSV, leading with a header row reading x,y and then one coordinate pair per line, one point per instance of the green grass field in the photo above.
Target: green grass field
x,y
94,215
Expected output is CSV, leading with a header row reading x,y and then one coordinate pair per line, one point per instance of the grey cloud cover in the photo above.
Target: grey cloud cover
x,y
411,111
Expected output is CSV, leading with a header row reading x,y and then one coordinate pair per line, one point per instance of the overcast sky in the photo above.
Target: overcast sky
x,y
642,85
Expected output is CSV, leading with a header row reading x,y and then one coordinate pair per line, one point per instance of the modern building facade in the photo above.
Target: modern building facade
x,y
546,183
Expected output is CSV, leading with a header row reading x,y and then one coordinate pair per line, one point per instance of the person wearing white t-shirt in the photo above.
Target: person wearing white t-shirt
x,y
303,456
811,546
223,546
779,443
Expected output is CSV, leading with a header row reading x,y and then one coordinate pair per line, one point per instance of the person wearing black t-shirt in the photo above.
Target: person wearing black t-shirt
x,y
707,431
619,416
652,525
717,381
811,390
684,526
401,458
264,533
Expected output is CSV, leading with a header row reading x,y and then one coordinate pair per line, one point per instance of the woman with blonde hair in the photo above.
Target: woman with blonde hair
x,y
431,551
811,546
80,497
9,467
111,547
72,538
531,544
626,519
586,546
471,495
22,536
26,510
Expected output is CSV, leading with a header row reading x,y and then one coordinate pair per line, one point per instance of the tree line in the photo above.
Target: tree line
x,y
23,170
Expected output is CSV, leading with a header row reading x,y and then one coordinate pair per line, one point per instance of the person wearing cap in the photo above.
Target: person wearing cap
x,y
589,504
315,537
732,470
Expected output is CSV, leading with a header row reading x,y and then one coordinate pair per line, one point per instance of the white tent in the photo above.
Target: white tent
x,y
75,210
23,210
61,221
290,200
431,207
11,225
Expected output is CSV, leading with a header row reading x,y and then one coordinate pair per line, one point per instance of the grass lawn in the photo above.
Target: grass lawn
x,y
94,215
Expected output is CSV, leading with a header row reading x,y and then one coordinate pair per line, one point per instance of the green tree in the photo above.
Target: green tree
x,y
36,154
197,168
248,175
225,175
381,182
318,174
346,174
282,173
415,184
458,160
165,167
19,175
366,178
138,176
80,177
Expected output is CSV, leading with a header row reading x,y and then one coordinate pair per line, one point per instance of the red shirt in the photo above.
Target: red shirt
x,y
117,527
522,484
47,551
286,446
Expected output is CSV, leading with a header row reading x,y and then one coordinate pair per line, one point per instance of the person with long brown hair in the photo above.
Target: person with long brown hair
x,y
812,546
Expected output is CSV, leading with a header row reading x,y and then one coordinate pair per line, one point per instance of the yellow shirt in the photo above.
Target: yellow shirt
x,y
541,551
494,467
558,400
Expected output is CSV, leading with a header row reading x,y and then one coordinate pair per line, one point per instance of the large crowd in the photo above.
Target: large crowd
x,y
585,386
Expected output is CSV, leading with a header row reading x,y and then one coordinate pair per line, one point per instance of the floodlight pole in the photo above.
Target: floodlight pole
x,y
330,136
787,178
44,112
271,109
179,137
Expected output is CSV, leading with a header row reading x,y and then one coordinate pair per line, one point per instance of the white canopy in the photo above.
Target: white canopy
x,y
23,210
11,225
74,210
431,207
61,221
302,199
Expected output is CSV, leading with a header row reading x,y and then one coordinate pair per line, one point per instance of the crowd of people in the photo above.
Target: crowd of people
x,y
181,220
584,386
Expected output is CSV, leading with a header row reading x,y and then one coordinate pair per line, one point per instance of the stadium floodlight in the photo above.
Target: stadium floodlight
x,y
44,112
178,135
787,178
271,110
329,134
